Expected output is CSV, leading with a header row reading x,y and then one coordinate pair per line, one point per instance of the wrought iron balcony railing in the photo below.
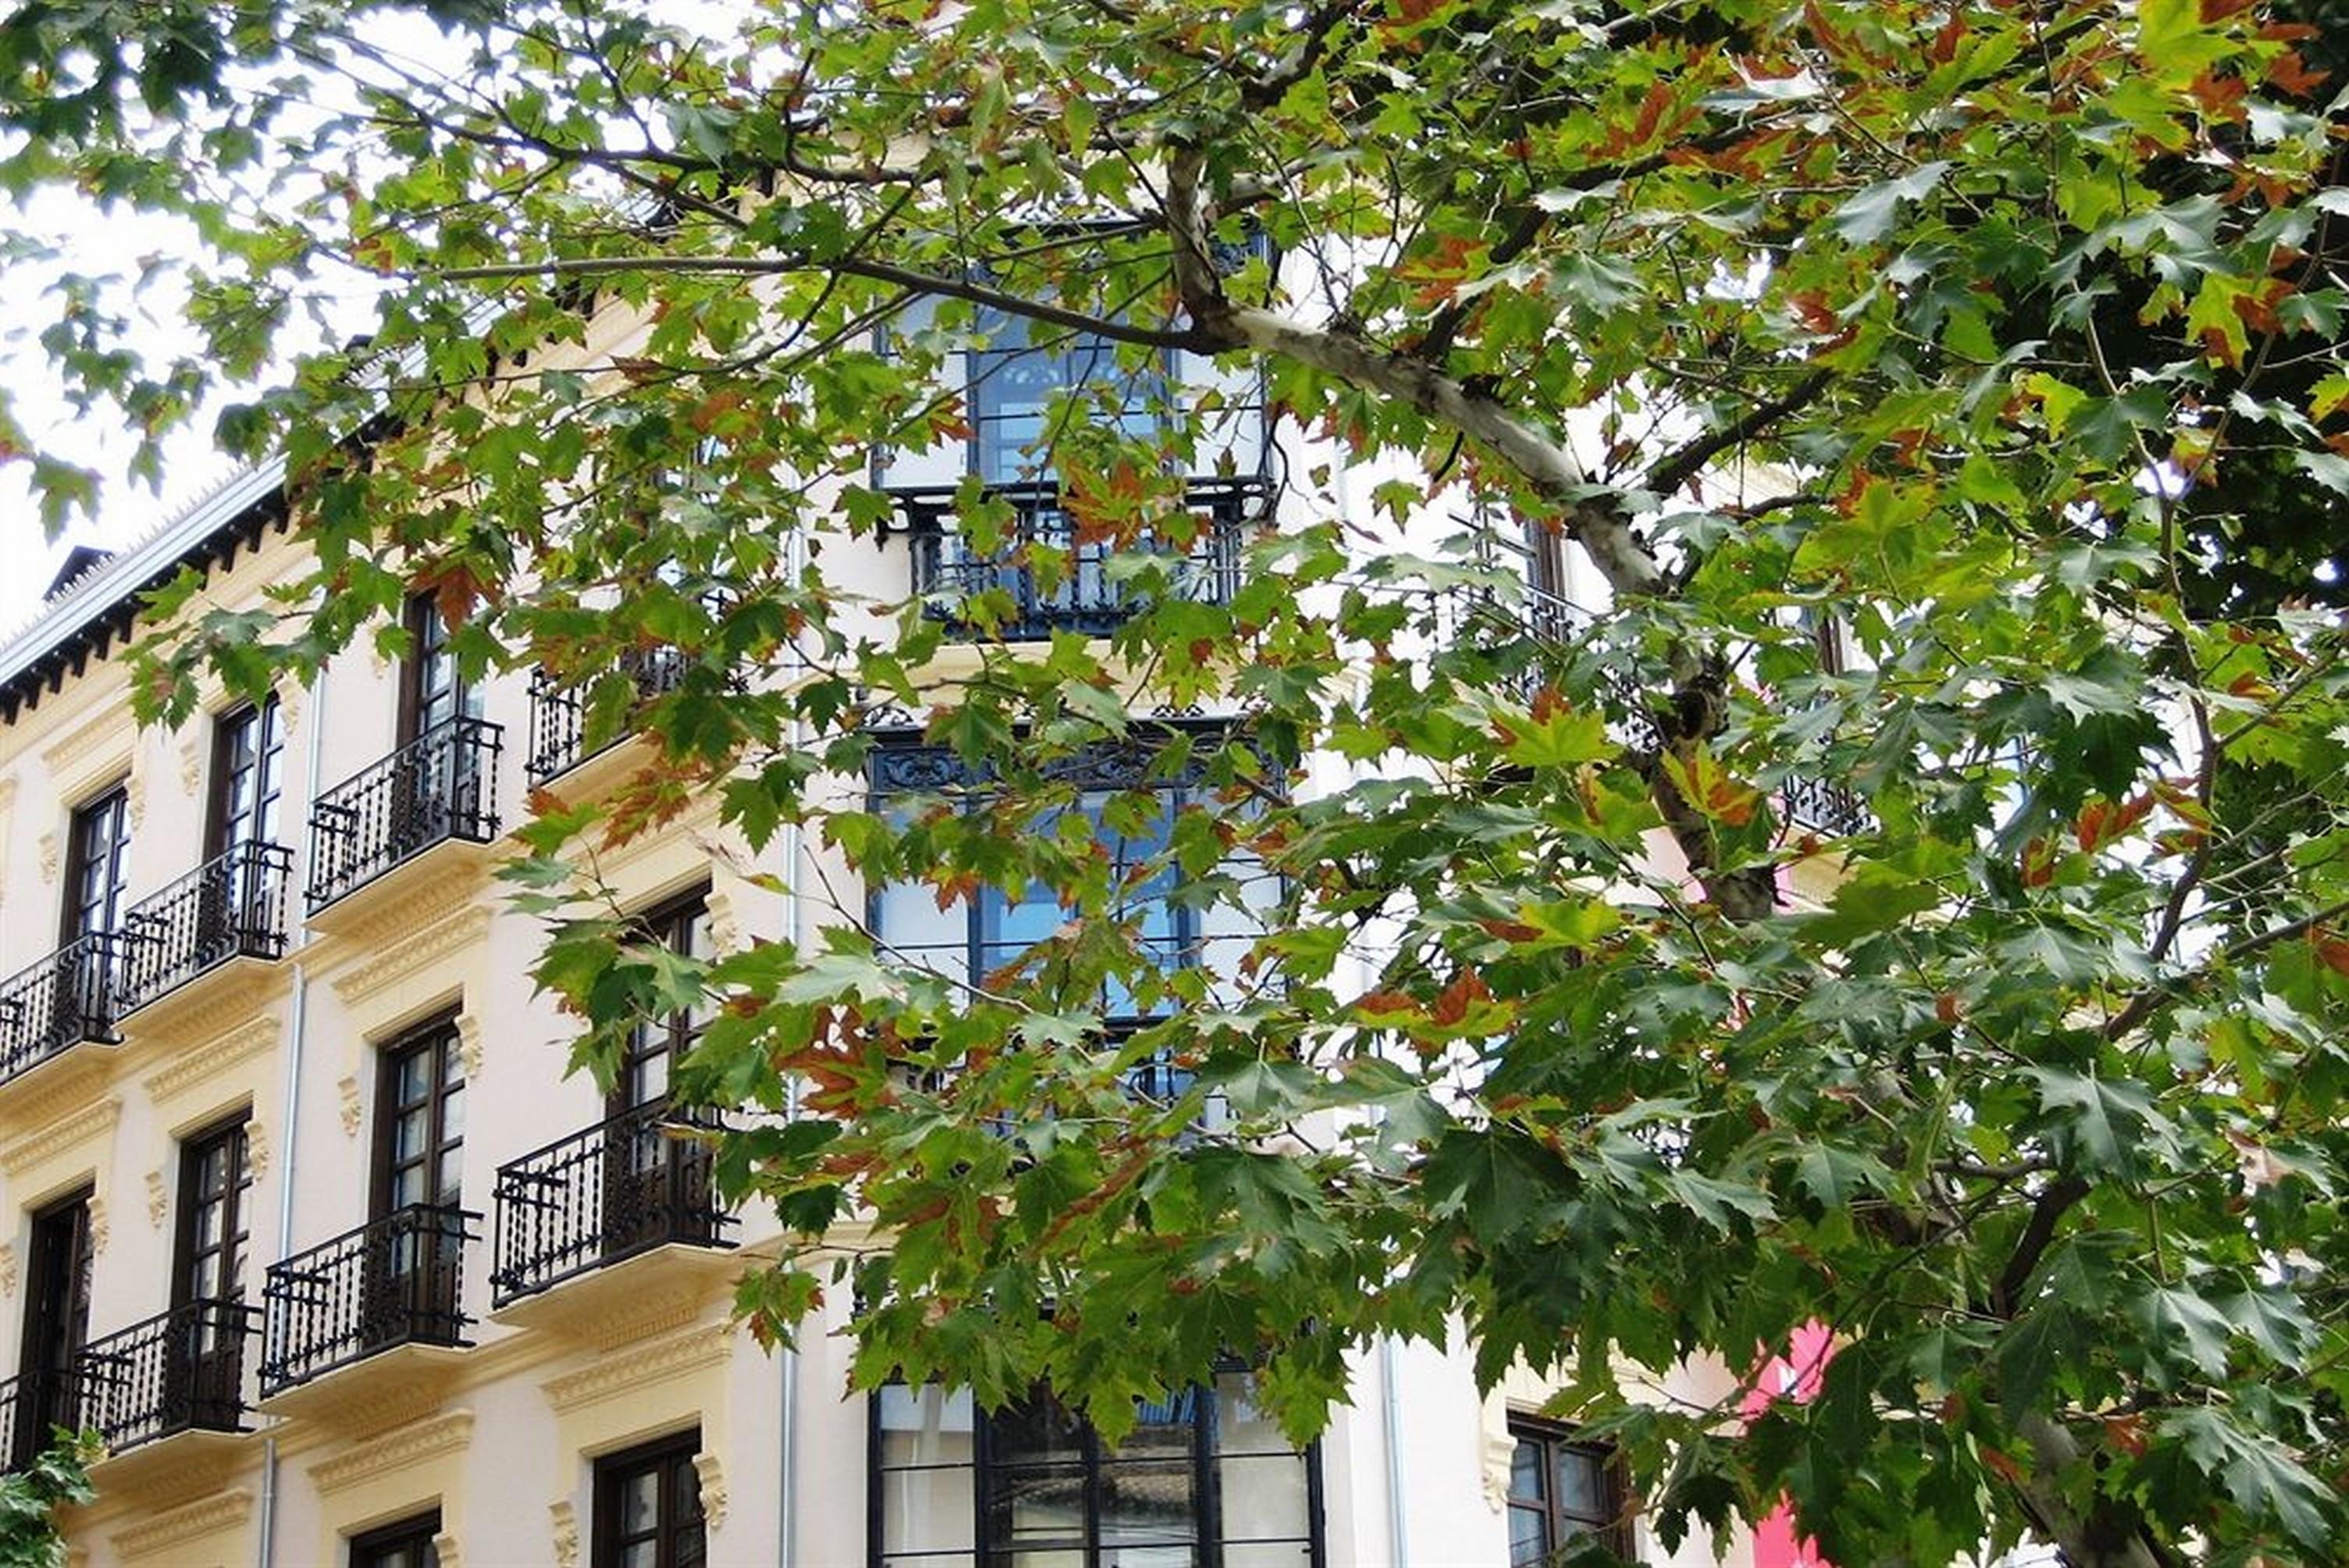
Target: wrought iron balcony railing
x,y
619,1187
558,714
394,1281
181,1371
1825,806
1086,598
440,786
232,906
67,998
32,1406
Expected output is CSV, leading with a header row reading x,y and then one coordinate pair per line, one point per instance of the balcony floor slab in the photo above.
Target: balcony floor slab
x,y
610,1302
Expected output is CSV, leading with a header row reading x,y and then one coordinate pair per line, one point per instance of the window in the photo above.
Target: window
x,y
101,834
1562,1491
1131,812
406,1544
1015,379
420,1121
206,1365
56,1324
656,1044
1206,1478
248,757
648,1506
432,691
657,1188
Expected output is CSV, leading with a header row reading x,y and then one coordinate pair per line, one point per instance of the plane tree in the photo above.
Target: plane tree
x,y
1888,364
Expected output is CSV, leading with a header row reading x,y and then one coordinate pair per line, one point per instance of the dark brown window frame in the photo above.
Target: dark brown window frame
x,y
371,1548
428,640
670,924
236,1126
660,1456
268,718
1614,1531
74,920
436,1033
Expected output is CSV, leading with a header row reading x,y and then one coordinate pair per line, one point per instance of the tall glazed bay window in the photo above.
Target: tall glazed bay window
x,y
1204,1481
1130,807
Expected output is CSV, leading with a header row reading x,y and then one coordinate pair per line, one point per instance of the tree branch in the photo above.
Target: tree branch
x,y
1677,468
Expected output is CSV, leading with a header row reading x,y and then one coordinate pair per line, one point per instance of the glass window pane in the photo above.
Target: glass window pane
x,y
1268,1554
1264,1497
1529,1537
1148,1501
639,1501
925,1426
1039,1430
927,1511
1581,1482
1525,1470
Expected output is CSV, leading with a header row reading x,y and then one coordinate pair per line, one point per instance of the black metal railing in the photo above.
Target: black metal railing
x,y
394,1281
62,1001
232,906
1824,806
33,1406
558,712
621,1186
181,1371
1086,597
440,786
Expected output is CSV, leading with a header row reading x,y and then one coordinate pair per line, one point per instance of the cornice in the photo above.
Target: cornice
x,y
55,1088
396,1449
188,1069
178,1525
394,960
92,1122
703,1345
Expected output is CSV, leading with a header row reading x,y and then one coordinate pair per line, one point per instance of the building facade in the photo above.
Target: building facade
x,y
300,1210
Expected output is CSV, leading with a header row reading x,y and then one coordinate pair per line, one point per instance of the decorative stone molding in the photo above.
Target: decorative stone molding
x,y
134,797
646,1314
188,1069
8,807
712,1476
100,1228
93,1122
348,1089
7,1268
470,1054
158,1199
564,1535
724,924
191,765
445,1547
49,862
71,758
292,703
703,1345
395,1450
256,1148
429,941
178,1526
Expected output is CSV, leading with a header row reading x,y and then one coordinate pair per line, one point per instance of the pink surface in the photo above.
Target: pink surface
x,y
1795,1376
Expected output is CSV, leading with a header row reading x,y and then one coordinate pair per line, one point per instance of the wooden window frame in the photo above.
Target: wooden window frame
x,y
1559,1526
660,1456
237,1231
73,920
434,1034
670,924
267,718
369,1548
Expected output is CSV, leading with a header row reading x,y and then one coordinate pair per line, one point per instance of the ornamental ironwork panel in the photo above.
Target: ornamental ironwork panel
x,y
558,712
182,1370
232,906
67,998
634,1181
394,1281
1000,594
440,786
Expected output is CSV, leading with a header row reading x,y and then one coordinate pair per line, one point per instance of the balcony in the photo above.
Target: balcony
x,y
1822,806
182,1371
32,1405
1011,606
558,714
396,1281
229,908
64,1000
621,1189
439,787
